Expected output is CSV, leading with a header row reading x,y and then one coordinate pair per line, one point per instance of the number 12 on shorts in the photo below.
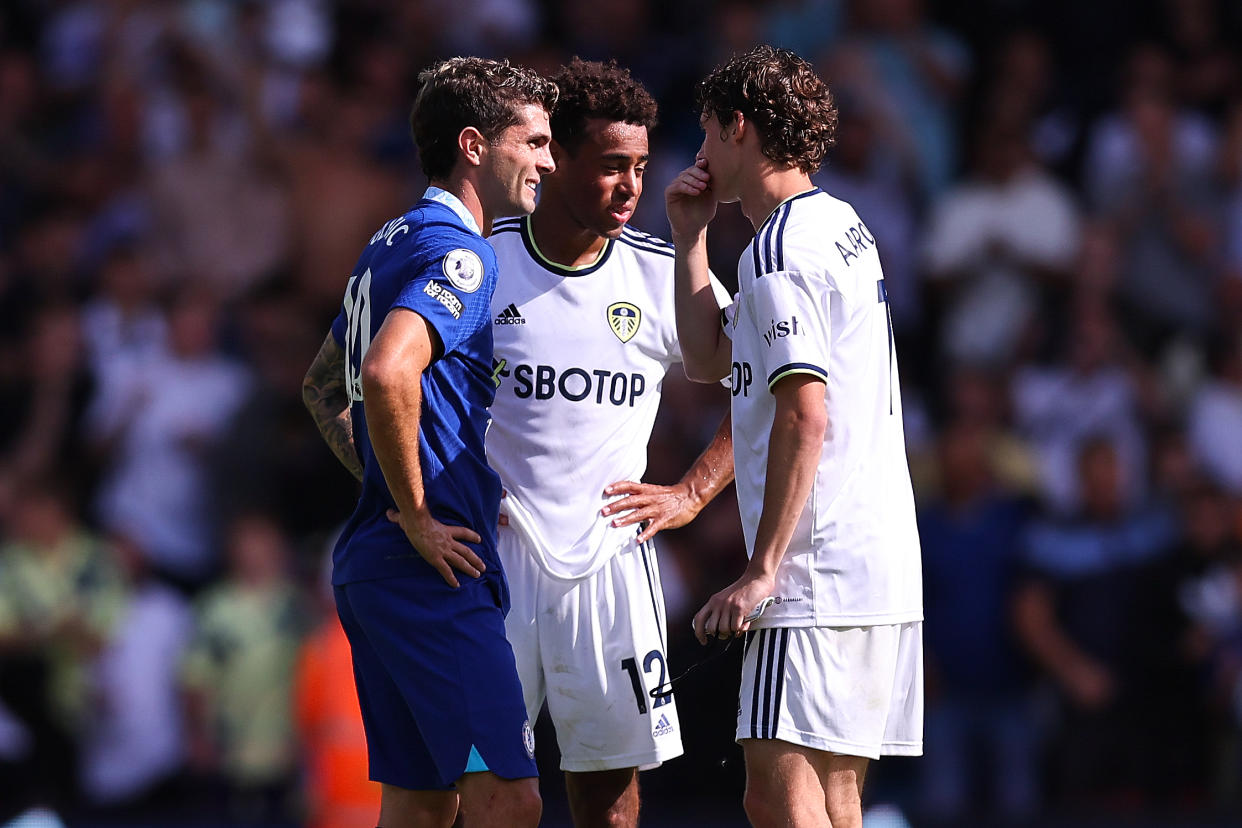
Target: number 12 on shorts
x,y
630,666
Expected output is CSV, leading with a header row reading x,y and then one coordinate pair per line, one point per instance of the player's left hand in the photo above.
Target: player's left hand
x,y
663,507
724,616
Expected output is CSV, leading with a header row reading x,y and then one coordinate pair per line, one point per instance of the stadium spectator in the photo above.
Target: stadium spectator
x,y
238,674
329,726
915,73
133,739
1073,609
1215,418
60,599
993,243
1090,392
1149,171
979,694
156,424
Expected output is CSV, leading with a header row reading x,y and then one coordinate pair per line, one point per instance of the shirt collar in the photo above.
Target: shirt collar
x,y
453,203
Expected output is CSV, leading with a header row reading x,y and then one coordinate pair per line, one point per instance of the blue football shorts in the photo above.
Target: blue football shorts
x,y
436,681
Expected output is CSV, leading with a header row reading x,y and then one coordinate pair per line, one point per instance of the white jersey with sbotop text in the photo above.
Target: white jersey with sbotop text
x,y
811,299
581,355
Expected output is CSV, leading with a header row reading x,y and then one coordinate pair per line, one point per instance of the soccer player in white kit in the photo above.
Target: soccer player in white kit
x,y
832,670
584,335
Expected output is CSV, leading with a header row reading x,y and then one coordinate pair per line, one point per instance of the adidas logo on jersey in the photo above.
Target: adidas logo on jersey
x,y
510,316
663,726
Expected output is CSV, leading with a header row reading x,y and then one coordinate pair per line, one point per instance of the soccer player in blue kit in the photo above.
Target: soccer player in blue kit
x,y
400,391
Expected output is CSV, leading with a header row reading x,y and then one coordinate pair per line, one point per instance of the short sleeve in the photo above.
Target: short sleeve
x,y
728,316
790,313
723,301
338,327
450,288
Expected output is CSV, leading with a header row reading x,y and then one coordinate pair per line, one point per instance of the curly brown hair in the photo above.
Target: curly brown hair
x,y
780,93
470,92
590,89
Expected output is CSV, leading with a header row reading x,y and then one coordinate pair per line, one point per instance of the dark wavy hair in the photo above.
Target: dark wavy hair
x,y
782,96
590,89
470,92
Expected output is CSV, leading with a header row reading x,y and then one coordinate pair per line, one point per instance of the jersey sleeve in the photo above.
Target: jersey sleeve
x,y
451,287
728,315
723,301
338,327
790,312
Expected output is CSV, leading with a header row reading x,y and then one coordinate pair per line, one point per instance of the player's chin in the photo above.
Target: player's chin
x,y
522,202
610,225
610,229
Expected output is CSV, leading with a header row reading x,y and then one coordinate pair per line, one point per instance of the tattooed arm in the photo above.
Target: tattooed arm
x,y
325,396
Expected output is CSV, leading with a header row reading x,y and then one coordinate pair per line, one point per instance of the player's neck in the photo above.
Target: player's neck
x,y
561,239
768,189
464,189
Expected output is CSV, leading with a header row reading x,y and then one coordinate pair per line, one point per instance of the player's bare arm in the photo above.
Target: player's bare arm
x,y
325,396
691,205
796,442
392,386
668,507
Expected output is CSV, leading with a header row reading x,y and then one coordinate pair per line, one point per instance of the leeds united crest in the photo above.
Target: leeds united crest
x,y
624,319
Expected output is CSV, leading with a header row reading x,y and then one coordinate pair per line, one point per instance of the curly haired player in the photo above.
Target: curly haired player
x,y
832,673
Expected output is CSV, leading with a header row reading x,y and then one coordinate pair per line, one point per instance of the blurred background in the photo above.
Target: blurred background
x,y
1056,191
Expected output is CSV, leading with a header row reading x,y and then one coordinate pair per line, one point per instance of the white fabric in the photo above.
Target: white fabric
x,y
136,737
1033,217
1214,426
163,412
572,641
576,401
857,691
453,203
1058,410
816,307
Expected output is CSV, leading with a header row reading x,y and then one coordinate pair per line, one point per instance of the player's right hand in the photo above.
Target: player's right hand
x,y
442,545
728,613
689,200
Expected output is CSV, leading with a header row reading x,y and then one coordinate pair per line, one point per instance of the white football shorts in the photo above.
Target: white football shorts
x,y
856,691
594,649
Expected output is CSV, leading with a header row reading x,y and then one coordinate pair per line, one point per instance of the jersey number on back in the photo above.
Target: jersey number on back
x,y
357,331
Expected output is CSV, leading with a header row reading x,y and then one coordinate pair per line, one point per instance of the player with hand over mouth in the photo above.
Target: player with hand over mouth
x,y
832,670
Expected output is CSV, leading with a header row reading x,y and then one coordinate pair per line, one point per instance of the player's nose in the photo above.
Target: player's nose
x,y
544,162
630,185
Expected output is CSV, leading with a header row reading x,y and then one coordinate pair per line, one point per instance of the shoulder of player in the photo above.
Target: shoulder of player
x,y
506,236
820,234
509,224
645,245
440,237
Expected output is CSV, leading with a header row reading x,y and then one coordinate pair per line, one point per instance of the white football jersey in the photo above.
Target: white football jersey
x,y
811,299
581,355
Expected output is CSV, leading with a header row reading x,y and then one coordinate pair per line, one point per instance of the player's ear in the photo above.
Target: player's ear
x,y
558,152
472,145
737,129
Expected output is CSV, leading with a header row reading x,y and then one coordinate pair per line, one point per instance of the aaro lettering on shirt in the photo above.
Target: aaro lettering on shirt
x,y
856,240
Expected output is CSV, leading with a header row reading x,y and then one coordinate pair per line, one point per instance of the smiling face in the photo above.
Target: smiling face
x,y
514,163
601,182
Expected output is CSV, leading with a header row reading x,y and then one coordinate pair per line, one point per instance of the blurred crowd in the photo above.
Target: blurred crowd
x,y
1056,191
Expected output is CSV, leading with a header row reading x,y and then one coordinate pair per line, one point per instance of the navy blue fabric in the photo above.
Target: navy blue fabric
x,y
435,677
410,264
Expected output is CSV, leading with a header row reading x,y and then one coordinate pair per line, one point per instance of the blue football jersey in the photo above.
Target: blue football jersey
x,y
432,261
